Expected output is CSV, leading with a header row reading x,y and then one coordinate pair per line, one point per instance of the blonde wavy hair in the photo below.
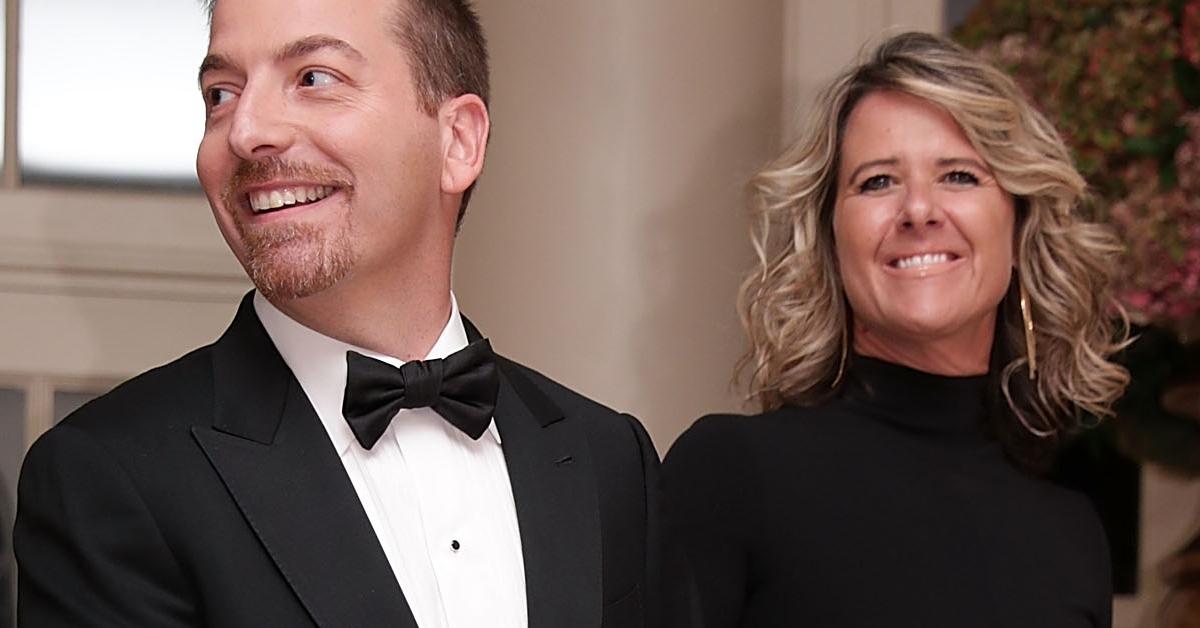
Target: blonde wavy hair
x,y
793,306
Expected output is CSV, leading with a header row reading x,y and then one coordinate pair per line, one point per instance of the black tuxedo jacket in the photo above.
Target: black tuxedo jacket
x,y
207,493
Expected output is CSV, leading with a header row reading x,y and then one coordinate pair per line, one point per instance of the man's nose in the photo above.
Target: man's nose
x,y
259,128
918,208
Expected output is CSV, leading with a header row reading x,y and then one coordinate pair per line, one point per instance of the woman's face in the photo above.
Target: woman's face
x,y
924,236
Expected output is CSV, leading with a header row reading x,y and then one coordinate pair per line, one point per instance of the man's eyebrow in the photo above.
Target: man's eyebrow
x,y
294,50
314,43
211,63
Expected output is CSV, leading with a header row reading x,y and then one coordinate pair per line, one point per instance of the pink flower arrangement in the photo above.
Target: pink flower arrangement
x,y
1189,33
1162,229
1121,78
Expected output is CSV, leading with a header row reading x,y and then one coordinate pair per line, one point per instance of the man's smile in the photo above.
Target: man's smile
x,y
277,197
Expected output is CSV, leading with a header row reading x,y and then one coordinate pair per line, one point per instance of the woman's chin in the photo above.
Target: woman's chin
x,y
965,337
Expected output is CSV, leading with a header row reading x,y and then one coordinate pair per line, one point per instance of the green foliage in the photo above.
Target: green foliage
x,y
1187,79
1145,429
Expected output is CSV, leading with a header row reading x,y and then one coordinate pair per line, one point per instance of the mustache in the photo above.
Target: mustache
x,y
254,172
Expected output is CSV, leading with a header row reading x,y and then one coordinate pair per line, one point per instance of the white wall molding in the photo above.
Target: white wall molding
x,y
114,244
109,270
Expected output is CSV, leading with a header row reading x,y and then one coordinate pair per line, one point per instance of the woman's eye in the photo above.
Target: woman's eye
x,y
317,78
961,177
875,183
217,96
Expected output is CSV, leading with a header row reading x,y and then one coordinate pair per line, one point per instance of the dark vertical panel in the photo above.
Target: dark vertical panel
x,y
12,448
956,12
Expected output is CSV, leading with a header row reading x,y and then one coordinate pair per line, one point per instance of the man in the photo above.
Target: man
x,y
294,473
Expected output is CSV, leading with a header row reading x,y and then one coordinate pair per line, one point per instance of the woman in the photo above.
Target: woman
x,y
928,319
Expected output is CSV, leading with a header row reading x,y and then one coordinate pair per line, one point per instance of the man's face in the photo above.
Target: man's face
x,y
317,159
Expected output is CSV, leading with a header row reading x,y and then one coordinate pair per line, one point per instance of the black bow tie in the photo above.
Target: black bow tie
x,y
461,387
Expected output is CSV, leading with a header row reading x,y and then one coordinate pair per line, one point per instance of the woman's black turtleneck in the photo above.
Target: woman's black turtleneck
x,y
885,506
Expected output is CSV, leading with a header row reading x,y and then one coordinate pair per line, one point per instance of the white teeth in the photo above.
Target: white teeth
x,y
928,259
260,201
285,197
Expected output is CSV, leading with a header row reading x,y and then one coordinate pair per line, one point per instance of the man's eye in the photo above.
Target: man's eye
x,y
317,78
961,177
875,183
216,96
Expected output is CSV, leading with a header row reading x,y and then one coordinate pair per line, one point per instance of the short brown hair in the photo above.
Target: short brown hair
x,y
447,50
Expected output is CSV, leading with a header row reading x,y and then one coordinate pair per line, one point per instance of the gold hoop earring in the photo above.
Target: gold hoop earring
x,y
842,363
1027,317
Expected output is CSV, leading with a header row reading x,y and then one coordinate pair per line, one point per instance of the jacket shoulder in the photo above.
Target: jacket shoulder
x,y
568,400
179,392
603,423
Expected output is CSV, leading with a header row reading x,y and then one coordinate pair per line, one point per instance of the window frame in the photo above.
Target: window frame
x,y
88,238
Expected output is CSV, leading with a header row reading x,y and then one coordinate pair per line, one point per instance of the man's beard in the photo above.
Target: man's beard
x,y
295,260
291,260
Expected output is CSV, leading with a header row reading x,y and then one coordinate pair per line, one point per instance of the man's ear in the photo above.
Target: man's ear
x,y
464,125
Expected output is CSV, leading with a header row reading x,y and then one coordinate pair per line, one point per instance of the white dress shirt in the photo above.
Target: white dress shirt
x,y
440,503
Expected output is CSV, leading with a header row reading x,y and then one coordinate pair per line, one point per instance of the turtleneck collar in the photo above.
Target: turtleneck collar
x,y
915,400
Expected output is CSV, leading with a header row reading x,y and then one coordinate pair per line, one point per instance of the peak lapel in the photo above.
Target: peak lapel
x,y
553,482
273,454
